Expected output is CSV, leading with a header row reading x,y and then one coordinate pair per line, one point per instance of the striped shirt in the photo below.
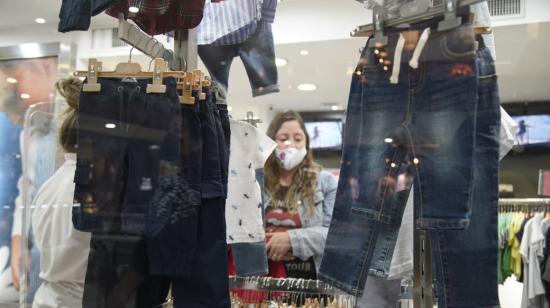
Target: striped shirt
x,y
234,21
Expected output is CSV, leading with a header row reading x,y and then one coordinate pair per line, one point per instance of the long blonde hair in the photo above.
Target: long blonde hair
x,y
70,90
304,181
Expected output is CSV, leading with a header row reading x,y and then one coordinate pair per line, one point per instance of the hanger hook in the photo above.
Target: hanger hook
x,y
130,57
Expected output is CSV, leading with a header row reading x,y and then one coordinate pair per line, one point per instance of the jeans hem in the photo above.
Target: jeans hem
x,y
259,91
341,286
442,223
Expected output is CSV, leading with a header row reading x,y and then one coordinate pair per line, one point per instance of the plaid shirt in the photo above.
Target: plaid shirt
x,y
161,16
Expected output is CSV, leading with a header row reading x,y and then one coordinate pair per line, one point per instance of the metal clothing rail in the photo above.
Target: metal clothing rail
x,y
524,202
283,284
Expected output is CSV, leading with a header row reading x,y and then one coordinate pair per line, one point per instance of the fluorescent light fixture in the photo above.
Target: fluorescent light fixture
x,y
307,87
25,96
304,52
11,80
30,50
40,20
133,9
281,62
110,125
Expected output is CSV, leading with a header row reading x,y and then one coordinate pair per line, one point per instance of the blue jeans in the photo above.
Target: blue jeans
x,y
421,129
250,259
466,260
257,54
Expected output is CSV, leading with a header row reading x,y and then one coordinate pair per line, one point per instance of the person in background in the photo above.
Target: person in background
x,y
23,83
300,201
63,249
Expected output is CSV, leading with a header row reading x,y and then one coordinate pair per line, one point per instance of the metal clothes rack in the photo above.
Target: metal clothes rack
x,y
283,284
530,203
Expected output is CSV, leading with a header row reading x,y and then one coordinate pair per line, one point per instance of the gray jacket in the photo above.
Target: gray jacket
x,y
309,241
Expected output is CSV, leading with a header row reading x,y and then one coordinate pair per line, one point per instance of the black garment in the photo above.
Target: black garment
x,y
128,140
118,269
77,14
185,240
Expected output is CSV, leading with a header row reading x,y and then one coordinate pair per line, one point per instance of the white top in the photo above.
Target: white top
x,y
250,148
532,253
63,249
222,18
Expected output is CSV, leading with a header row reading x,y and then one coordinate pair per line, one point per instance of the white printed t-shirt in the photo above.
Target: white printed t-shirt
x,y
250,148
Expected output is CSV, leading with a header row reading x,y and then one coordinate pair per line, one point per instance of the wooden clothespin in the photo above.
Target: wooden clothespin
x,y
199,77
91,85
187,97
158,77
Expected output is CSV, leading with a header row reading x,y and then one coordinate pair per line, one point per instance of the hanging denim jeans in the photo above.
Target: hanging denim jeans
x,y
411,118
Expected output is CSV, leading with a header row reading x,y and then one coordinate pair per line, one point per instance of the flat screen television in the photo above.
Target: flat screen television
x,y
325,134
532,130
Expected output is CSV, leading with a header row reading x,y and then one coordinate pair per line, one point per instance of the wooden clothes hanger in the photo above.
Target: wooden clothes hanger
x,y
187,82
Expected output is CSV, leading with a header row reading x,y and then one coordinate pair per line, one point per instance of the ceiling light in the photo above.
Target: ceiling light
x,y
133,9
334,107
280,62
416,161
304,52
229,108
11,80
307,87
25,96
388,140
40,20
110,125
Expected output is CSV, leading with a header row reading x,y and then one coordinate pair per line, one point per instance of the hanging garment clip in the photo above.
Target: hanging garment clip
x,y
379,18
450,20
158,76
91,85
187,97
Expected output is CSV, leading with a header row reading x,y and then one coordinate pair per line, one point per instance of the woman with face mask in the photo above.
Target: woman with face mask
x,y
300,201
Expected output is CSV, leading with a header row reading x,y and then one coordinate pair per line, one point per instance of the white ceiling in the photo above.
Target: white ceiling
x,y
322,27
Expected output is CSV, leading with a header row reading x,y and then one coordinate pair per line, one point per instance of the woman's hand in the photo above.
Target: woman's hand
x,y
279,247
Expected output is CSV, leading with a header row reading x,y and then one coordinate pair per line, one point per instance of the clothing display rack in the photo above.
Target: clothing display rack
x,y
283,284
294,289
521,203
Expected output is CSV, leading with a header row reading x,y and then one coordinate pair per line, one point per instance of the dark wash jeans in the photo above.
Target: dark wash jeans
x,y
465,261
257,54
127,141
421,129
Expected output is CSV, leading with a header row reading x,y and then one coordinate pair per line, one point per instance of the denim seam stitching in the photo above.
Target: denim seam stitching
x,y
364,256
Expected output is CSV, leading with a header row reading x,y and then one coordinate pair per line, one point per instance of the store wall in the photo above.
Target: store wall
x,y
522,171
